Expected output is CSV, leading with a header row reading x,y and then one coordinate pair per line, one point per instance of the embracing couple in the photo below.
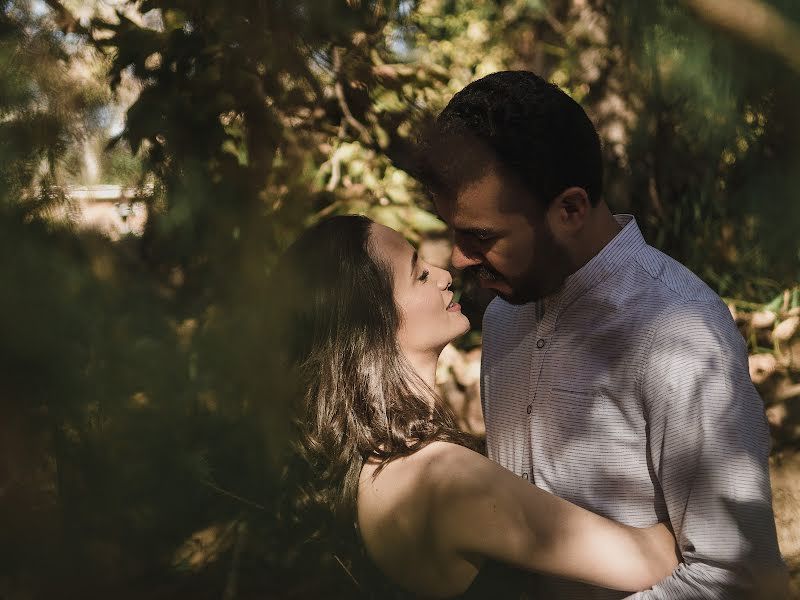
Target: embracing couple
x,y
627,448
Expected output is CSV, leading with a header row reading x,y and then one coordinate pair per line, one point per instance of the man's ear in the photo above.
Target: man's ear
x,y
569,210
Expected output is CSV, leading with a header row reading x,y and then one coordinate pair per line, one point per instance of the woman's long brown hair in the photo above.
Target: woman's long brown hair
x,y
356,395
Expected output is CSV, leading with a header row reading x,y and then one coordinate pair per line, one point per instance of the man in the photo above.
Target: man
x,y
612,376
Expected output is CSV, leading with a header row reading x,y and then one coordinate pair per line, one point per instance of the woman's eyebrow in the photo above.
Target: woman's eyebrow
x,y
414,258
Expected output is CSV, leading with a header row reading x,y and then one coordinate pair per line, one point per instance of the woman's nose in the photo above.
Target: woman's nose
x,y
446,281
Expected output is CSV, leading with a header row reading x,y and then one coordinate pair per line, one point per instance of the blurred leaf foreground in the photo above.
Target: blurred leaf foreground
x,y
157,156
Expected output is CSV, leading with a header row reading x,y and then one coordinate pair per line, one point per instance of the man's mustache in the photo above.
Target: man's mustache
x,y
482,272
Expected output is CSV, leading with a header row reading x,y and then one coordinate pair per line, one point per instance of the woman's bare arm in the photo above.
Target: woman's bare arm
x,y
478,508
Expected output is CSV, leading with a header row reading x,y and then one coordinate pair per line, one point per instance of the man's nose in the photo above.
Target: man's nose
x,y
461,259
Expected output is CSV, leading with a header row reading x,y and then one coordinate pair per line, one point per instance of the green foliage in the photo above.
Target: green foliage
x,y
138,371
711,165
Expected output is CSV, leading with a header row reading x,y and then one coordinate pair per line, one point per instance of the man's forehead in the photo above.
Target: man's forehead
x,y
477,204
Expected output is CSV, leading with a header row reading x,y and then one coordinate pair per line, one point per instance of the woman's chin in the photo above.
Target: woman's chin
x,y
456,332
464,329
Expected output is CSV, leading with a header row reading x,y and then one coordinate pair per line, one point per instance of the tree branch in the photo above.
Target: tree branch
x,y
755,22
339,89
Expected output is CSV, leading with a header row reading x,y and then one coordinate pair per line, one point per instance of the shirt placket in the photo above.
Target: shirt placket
x,y
547,313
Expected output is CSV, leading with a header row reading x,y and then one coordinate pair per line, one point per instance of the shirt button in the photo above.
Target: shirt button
x,y
529,410
540,343
524,475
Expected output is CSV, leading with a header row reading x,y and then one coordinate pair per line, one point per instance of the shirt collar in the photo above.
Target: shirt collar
x,y
614,255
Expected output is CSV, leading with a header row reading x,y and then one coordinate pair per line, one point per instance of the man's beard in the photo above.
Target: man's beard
x,y
546,274
541,279
526,291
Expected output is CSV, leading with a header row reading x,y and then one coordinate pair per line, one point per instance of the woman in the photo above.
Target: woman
x,y
382,469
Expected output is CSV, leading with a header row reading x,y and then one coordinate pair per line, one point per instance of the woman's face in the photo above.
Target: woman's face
x,y
422,293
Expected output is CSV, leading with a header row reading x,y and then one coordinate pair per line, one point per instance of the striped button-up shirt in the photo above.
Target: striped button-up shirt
x,y
627,392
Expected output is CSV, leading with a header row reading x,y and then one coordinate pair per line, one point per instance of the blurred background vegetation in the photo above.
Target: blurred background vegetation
x,y
156,156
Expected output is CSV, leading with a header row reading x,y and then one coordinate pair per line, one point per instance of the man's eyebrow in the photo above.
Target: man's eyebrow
x,y
414,258
477,231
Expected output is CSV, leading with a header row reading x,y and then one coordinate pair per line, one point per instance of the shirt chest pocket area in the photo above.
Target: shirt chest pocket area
x,y
592,421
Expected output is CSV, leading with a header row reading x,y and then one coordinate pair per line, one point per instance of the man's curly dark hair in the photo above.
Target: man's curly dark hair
x,y
522,125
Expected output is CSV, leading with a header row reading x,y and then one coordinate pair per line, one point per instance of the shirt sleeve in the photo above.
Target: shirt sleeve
x,y
709,446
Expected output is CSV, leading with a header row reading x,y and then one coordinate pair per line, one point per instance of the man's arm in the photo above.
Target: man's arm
x,y
709,446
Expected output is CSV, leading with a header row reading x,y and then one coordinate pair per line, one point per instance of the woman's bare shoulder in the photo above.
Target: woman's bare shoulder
x,y
426,467
411,483
445,465
440,456
452,471
397,505
414,473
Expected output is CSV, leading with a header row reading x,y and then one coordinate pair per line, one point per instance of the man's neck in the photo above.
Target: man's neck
x,y
602,228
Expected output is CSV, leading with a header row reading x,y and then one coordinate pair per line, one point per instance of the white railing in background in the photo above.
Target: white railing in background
x,y
113,210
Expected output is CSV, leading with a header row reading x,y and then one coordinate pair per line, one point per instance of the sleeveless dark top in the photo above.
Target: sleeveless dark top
x,y
499,581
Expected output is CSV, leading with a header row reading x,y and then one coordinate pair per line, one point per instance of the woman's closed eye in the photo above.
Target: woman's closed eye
x,y
424,276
